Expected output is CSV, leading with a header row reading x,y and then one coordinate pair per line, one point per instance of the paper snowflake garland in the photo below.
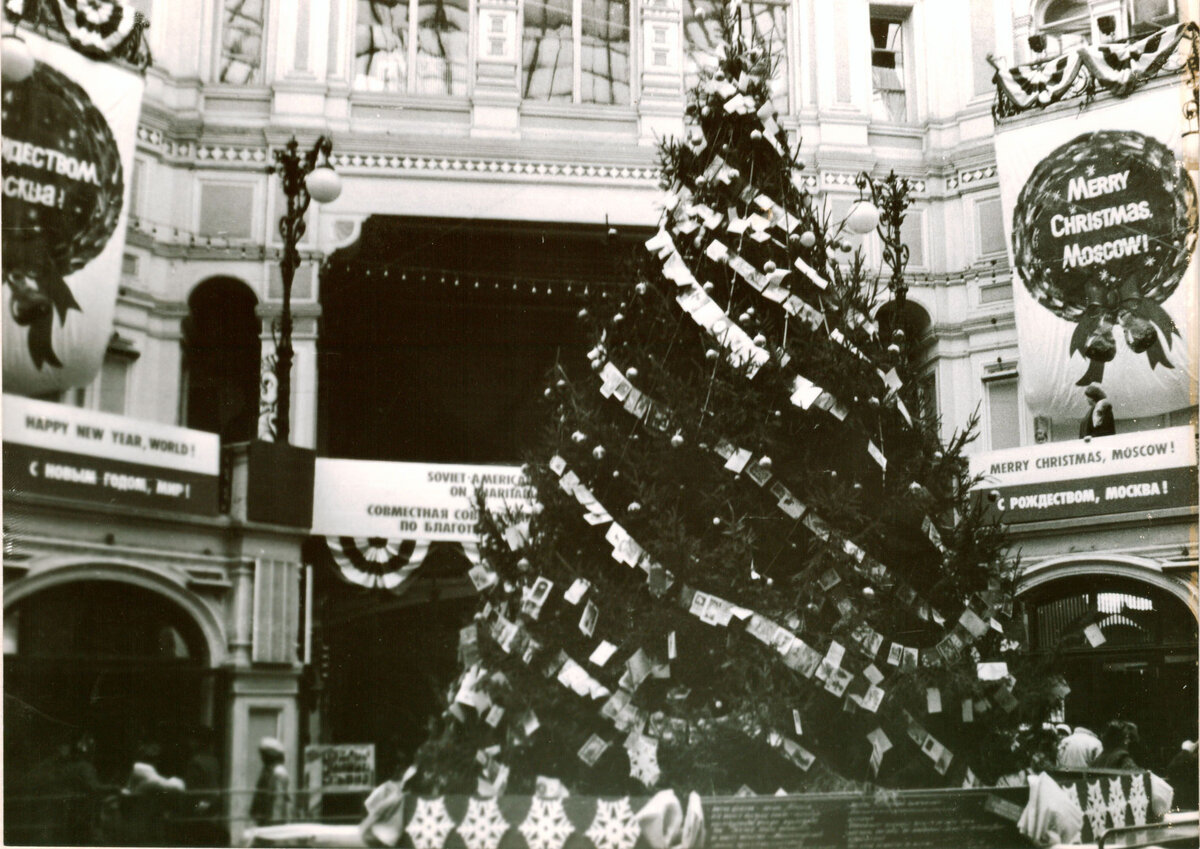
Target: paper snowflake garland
x,y
1138,801
614,826
430,824
1116,802
484,825
546,826
1097,808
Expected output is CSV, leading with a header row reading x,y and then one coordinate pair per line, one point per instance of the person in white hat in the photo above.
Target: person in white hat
x,y
270,804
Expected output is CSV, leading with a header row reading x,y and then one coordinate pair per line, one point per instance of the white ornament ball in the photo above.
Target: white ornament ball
x,y
863,217
868,592
744,318
769,266
631,372
538,508
760,340
618,318
548,392
894,349
756,134
640,288
766,462
711,355
579,437
583,313
16,60
708,286
677,440
808,238
524,565
634,507
1043,97
598,452
716,520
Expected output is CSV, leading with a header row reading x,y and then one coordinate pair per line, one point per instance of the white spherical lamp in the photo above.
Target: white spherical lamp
x,y
863,217
324,185
16,60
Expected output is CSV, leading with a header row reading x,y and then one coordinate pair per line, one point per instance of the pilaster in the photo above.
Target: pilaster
x,y
661,107
496,102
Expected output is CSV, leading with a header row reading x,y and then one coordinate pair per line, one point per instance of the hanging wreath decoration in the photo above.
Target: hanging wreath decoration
x,y
1103,231
64,163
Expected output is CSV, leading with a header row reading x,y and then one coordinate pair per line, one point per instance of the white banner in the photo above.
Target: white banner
x,y
1100,214
1123,454
416,501
87,433
69,136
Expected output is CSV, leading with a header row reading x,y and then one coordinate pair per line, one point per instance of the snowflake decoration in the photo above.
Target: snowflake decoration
x,y
1072,791
1138,800
1116,802
1097,809
614,826
484,825
643,761
430,824
546,826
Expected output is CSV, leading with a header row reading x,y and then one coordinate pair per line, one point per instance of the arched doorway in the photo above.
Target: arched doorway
x,y
120,663
221,353
1137,663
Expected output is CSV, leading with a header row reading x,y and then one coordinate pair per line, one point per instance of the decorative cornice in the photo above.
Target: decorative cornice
x,y
986,174
446,164
848,178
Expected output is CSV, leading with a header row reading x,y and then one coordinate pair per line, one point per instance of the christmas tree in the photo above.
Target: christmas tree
x,y
750,562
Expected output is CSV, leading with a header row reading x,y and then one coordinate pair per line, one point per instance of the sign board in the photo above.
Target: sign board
x,y
68,452
69,134
1100,210
340,768
1128,473
421,501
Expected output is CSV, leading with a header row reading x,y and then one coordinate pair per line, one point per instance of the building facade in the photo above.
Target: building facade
x,y
493,153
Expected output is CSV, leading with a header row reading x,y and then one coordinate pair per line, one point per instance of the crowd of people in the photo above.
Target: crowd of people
x,y
64,802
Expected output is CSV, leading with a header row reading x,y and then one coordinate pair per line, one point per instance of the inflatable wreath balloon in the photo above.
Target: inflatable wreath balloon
x,y
69,132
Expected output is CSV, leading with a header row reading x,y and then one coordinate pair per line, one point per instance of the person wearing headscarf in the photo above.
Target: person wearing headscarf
x,y
1079,749
270,803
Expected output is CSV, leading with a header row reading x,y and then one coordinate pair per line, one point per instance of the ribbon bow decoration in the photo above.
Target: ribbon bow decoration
x,y
665,825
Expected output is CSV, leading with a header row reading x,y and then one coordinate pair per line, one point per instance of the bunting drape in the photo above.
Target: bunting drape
x,y
385,564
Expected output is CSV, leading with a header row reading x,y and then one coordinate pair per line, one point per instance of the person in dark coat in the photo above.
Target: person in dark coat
x,y
202,820
1099,418
1182,776
1118,738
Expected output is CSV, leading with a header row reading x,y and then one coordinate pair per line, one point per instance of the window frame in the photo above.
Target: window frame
x,y
980,254
995,374
633,61
903,17
259,77
411,54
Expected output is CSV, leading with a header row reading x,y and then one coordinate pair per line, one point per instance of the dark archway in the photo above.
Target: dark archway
x,y
108,660
1145,668
222,354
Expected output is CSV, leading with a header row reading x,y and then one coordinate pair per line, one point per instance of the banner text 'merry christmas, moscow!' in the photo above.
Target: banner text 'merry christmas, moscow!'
x,y
1078,188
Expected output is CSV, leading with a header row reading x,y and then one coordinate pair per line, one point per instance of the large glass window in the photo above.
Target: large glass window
x,y
576,51
1004,415
381,45
889,98
393,36
242,41
1066,25
760,19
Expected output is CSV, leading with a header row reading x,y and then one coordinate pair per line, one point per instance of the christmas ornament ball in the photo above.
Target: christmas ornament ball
x,y
769,266
583,313
538,508
716,521
894,349
760,340
16,60
579,437
711,355
868,592
598,452
677,440
808,238
640,288
631,372
634,507
756,134
618,318
766,462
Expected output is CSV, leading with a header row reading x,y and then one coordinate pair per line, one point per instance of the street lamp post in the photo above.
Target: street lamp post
x,y
304,177
891,197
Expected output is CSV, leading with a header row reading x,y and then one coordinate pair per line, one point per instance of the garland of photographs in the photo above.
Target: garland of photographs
x,y
827,670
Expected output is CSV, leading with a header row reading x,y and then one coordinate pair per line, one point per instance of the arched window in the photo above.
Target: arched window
x,y
221,360
1066,25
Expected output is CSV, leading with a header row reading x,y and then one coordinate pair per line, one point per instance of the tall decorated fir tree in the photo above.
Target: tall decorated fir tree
x,y
750,562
